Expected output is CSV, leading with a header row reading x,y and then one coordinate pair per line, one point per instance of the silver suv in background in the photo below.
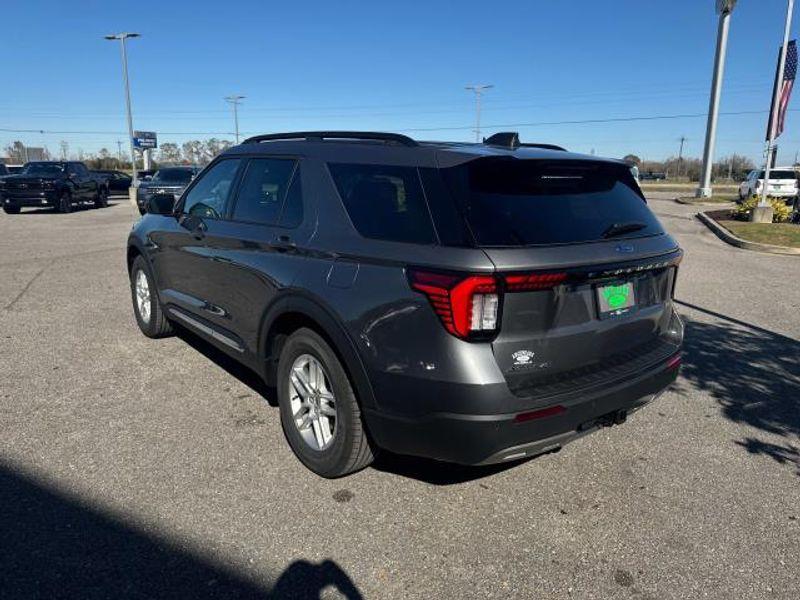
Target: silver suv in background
x,y
782,183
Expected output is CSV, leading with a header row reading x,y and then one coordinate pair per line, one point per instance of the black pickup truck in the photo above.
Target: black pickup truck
x,y
56,184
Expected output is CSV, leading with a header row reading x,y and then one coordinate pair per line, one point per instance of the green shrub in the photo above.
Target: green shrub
x,y
780,211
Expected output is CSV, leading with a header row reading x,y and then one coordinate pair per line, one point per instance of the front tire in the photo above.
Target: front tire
x,y
320,415
147,309
65,203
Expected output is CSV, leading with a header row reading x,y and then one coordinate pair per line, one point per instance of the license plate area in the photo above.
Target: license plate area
x,y
615,299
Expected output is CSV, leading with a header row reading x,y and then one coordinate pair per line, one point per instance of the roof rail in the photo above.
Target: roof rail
x,y
396,138
510,139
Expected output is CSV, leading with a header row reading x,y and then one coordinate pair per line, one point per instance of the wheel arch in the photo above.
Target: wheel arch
x,y
293,312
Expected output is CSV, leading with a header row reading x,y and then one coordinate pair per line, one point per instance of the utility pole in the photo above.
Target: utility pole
x,y
122,37
724,9
235,100
682,140
776,98
479,90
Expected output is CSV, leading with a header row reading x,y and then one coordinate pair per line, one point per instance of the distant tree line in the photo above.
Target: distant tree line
x,y
735,167
193,152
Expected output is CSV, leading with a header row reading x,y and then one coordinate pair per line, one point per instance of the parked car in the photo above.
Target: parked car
x,y
118,182
57,184
472,303
652,176
169,180
146,175
782,184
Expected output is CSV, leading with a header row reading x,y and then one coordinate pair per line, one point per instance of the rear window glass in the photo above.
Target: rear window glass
x,y
385,202
512,202
779,175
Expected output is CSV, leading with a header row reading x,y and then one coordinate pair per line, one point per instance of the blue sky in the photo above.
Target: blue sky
x,y
395,66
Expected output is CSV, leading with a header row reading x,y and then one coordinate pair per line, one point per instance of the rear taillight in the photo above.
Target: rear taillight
x,y
469,305
466,305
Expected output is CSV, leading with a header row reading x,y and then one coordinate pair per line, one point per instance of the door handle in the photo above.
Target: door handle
x,y
283,243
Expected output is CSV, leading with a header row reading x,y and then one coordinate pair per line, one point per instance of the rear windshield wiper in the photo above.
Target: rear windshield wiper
x,y
622,228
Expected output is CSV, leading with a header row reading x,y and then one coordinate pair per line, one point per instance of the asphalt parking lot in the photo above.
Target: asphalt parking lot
x,y
139,468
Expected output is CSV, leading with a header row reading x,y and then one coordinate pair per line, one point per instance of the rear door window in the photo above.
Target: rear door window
x,y
385,202
263,190
513,202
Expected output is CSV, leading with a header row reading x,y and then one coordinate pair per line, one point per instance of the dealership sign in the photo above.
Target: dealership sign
x,y
145,139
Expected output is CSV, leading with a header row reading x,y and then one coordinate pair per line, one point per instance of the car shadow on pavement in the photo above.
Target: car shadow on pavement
x,y
57,546
231,366
435,472
754,375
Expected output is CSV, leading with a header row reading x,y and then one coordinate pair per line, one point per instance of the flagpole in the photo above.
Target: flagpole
x,y
776,95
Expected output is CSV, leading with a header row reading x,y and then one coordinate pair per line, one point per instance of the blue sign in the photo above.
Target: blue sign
x,y
145,139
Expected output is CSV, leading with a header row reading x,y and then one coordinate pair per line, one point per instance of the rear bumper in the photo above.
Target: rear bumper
x,y
484,439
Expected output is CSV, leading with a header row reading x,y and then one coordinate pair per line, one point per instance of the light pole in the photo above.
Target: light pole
x,y
122,37
776,99
235,100
724,9
478,89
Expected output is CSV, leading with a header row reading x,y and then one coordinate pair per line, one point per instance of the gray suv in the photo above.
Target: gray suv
x,y
472,303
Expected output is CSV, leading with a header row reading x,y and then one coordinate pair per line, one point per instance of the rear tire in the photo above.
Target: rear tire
x,y
65,203
10,209
147,309
348,449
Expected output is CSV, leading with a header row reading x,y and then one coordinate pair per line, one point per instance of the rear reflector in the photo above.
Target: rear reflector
x,y
674,362
550,411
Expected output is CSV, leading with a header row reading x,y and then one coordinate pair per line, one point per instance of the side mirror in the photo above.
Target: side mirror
x,y
161,204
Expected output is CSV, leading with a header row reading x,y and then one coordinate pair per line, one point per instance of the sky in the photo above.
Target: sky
x,y
393,66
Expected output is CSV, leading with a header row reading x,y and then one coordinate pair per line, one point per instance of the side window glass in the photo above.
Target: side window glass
x,y
209,196
293,207
263,190
384,202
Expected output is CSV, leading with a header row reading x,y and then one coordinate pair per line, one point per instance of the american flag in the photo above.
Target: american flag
x,y
789,74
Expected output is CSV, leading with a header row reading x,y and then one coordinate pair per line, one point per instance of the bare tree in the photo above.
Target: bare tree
x,y
169,153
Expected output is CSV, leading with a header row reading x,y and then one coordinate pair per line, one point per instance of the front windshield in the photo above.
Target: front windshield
x,y
43,169
173,176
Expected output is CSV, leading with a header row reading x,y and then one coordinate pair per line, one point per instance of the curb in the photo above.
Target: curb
x,y
709,204
727,236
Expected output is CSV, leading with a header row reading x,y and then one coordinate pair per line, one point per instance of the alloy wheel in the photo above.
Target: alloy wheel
x,y
142,290
312,402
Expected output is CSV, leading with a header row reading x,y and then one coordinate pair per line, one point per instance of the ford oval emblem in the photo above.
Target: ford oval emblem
x,y
624,248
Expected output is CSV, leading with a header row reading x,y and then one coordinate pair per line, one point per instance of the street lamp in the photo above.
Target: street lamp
x,y
478,89
724,10
235,100
122,37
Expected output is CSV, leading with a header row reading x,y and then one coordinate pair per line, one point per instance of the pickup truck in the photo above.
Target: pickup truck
x,y
56,184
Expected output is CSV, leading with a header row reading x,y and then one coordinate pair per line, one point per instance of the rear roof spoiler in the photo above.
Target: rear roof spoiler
x,y
510,139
